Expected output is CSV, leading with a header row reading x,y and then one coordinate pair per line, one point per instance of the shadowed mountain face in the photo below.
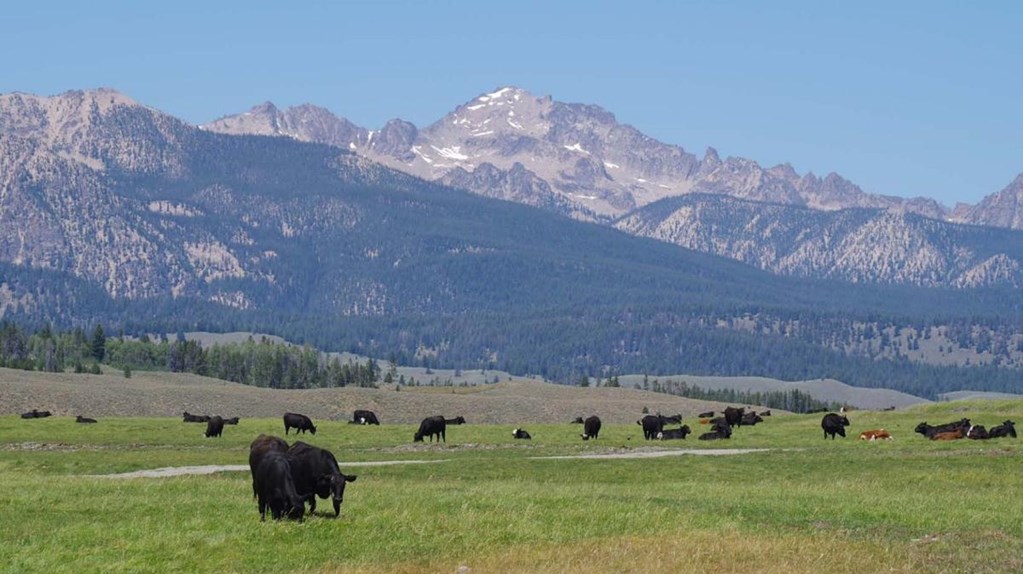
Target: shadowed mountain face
x,y
112,211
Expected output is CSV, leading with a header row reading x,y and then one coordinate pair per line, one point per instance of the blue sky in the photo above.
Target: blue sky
x,y
902,98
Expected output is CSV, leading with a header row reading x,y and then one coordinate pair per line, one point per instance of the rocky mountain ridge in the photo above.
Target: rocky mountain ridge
x,y
602,169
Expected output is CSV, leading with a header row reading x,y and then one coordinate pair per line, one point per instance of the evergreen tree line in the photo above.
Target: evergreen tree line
x,y
260,363
792,400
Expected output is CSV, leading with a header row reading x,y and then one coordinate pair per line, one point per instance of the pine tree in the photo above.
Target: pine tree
x,y
99,344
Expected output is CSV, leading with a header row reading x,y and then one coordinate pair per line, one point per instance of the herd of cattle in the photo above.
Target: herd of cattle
x,y
285,478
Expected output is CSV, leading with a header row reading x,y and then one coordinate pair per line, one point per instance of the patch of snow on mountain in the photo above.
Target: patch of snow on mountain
x,y
454,152
417,151
576,147
610,165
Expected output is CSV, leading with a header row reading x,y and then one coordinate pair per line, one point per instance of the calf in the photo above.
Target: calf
x,y
521,434
876,434
316,473
300,423
671,434
591,428
214,427
274,484
834,424
81,419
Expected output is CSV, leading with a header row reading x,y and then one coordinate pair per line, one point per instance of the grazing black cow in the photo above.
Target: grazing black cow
x,y
751,419
214,427
231,421
34,414
706,415
316,473
577,421
929,430
521,433
670,434
834,424
734,416
300,423
978,432
591,428
81,419
436,426
190,418
274,484
363,417
1007,428
258,449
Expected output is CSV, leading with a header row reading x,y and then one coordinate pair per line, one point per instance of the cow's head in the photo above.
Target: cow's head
x,y
333,485
417,438
685,430
312,428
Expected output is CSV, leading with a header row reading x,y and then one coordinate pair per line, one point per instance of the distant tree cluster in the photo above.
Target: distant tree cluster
x,y
792,400
258,363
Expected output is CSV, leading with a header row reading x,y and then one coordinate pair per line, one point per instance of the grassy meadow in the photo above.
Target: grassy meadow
x,y
489,503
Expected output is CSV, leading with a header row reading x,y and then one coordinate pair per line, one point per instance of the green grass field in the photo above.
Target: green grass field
x,y
493,504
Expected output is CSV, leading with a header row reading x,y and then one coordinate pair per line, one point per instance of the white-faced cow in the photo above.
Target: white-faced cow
x,y
316,473
521,434
300,423
436,426
834,424
274,485
364,417
591,428
875,435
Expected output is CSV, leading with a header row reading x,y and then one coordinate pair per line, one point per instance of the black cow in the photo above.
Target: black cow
x,y
706,415
214,427
734,416
670,434
673,419
929,430
751,419
231,421
1007,428
258,449
274,484
591,428
190,418
81,419
521,433
316,473
834,424
766,413
436,426
652,425
720,431
577,421
300,423
978,432
34,414
363,417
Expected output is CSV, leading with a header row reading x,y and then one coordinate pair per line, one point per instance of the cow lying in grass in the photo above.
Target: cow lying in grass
x,y
876,434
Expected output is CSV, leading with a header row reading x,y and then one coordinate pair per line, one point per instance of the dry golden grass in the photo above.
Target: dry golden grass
x,y
147,394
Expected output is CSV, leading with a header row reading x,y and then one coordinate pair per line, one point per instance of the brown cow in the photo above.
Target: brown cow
x,y
876,434
949,435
